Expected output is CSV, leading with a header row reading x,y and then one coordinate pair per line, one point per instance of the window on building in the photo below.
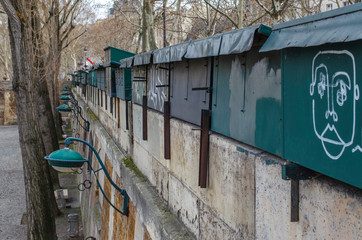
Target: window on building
x,y
329,6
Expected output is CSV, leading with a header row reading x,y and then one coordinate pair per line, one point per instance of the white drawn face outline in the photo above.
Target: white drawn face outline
x,y
342,83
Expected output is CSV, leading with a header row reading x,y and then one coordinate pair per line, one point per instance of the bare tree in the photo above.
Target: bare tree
x,y
5,53
148,30
26,43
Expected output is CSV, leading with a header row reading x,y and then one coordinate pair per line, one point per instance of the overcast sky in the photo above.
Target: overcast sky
x,y
103,7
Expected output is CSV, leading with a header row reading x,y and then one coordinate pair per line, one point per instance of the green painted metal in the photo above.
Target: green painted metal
x,y
64,98
101,78
64,108
123,78
66,158
113,56
294,171
247,101
82,76
322,109
128,83
116,54
340,25
92,78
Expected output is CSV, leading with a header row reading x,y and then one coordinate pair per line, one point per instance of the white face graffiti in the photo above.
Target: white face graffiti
x,y
334,94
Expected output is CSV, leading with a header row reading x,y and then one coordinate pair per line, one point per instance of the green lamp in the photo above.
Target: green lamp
x,y
66,160
64,98
64,108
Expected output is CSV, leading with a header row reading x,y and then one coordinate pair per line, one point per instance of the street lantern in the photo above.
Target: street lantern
x,y
67,160
64,98
64,108
77,111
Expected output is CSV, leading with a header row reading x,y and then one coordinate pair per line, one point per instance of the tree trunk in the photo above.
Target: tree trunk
x,y
241,14
39,194
54,57
148,30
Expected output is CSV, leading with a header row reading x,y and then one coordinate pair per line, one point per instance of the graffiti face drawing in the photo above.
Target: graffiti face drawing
x,y
334,94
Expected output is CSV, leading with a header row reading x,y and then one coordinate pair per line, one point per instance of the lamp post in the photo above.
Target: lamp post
x,y
68,160
77,111
85,57
68,94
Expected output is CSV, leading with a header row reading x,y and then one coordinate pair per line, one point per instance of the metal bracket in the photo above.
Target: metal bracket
x,y
163,68
295,172
207,89
292,171
160,86
137,77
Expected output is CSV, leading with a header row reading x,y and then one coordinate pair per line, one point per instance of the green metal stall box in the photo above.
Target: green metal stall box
x,y
246,96
101,76
113,56
321,85
124,80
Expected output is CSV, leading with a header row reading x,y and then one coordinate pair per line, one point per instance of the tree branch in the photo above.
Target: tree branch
x,y
129,20
263,7
222,13
70,41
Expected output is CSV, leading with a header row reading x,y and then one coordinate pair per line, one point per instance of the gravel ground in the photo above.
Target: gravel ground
x,y
12,190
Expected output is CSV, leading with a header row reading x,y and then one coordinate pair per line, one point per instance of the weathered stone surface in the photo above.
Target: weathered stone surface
x,y
160,179
213,228
231,192
145,205
184,204
328,209
185,150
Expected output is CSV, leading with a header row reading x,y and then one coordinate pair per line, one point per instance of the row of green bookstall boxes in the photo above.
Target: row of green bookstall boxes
x,y
291,90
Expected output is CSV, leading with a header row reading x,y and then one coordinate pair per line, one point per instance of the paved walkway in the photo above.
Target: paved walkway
x,y
12,190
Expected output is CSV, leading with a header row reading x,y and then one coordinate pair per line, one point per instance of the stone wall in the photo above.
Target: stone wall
x,y
7,104
148,218
245,198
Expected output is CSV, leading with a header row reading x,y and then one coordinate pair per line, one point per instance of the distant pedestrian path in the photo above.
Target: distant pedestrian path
x,y
12,190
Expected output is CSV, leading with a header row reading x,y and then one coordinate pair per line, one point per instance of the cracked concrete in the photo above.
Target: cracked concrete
x,y
12,189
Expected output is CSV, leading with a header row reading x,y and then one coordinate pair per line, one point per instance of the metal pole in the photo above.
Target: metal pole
x,y
164,23
123,192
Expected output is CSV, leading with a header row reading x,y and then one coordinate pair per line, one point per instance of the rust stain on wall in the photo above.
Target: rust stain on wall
x,y
123,226
106,206
146,235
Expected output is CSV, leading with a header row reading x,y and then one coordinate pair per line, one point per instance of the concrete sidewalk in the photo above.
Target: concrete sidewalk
x,y
12,191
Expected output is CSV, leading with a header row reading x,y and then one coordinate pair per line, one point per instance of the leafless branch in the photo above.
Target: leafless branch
x,y
222,13
263,7
75,38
